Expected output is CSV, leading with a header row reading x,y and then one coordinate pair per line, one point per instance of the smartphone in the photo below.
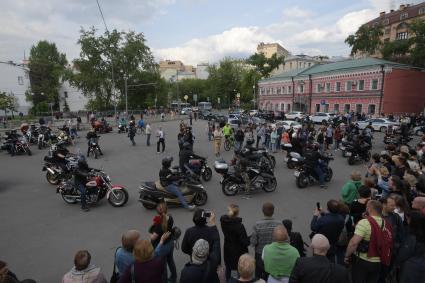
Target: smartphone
x,y
206,214
318,205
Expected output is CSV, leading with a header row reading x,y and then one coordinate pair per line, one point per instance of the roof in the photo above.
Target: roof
x,y
394,16
332,67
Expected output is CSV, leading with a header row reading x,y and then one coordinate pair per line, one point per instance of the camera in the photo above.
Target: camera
x,y
206,214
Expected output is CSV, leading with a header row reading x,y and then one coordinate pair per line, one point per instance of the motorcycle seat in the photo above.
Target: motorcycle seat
x,y
159,187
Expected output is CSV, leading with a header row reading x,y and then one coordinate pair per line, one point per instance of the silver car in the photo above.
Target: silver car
x,y
378,124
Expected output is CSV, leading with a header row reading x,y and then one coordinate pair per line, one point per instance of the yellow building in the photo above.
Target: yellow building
x,y
268,49
396,22
171,64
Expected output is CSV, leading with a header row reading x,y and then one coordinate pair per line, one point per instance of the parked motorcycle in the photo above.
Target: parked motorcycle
x,y
94,147
306,175
43,137
261,178
152,193
17,146
98,187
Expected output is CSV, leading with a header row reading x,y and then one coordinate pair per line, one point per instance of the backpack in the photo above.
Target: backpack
x,y
384,243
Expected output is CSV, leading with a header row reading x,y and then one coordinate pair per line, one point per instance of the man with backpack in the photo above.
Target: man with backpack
x,y
371,245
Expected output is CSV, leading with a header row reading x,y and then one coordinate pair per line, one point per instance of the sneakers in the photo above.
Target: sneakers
x,y
323,186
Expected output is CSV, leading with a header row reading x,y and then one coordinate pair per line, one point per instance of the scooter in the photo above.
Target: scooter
x,y
152,193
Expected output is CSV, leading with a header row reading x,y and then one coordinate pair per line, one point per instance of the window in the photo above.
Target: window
x,y
319,87
276,107
401,35
282,107
317,108
421,11
279,90
371,109
338,86
385,22
404,16
288,108
359,108
347,108
387,31
289,89
283,90
328,88
301,89
268,91
360,85
349,86
20,80
65,94
326,108
336,108
290,65
374,84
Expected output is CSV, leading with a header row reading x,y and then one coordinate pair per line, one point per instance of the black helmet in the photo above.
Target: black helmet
x,y
166,161
250,141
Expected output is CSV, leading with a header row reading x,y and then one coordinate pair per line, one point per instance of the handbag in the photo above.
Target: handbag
x,y
115,275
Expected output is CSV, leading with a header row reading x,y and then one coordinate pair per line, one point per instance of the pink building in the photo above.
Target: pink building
x,y
365,85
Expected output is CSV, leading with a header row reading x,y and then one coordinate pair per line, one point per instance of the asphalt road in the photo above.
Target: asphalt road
x,y
40,233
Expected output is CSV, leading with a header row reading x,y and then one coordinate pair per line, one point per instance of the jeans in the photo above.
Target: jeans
x,y
259,267
320,174
167,251
273,146
148,139
172,188
364,271
238,145
132,140
162,142
82,188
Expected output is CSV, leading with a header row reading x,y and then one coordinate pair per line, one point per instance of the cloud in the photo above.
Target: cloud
x,y
296,12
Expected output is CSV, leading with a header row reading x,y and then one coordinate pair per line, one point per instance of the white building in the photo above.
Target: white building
x,y
202,71
73,96
14,79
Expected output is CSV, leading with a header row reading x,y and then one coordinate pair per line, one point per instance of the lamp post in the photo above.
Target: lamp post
x,y
126,93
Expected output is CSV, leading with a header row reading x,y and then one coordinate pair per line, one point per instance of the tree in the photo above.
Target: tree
x,y
417,51
366,39
127,54
47,66
265,65
8,102
396,51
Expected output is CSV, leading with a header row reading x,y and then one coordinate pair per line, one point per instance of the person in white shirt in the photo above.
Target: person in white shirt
x,y
148,132
161,140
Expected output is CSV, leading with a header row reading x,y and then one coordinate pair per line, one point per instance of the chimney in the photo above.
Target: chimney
x,y
402,6
382,14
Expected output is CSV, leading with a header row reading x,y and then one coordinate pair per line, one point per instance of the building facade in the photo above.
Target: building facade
x,y
396,23
73,96
366,85
14,79
269,49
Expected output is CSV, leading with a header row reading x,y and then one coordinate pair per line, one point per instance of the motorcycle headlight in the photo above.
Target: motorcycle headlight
x,y
108,178
93,143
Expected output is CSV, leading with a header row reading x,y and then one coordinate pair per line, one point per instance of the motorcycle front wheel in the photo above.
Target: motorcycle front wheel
x,y
272,161
229,188
290,164
207,174
329,174
200,198
302,181
118,198
351,160
95,154
51,178
270,186
28,151
40,145
226,145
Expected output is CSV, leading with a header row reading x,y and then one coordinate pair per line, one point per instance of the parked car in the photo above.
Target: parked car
x,y
253,112
257,121
204,114
219,118
378,124
268,116
287,124
419,130
295,115
234,115
321,117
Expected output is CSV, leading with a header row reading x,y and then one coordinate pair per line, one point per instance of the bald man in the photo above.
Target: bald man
x,y
279,257
318,269
419,204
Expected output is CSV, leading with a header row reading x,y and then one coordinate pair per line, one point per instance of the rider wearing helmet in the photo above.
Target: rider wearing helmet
x,y
80,178
132,132
313,160
59,152
92,135
169,182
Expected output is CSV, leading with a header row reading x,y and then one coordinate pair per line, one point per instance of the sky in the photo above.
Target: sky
x,y
193,31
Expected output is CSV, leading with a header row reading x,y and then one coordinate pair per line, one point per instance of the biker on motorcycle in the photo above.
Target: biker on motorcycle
x,y
170,182
185,155
313,160
91,135
59,152
81,173
241,168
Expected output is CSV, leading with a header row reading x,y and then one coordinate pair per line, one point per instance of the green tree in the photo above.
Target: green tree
x,y
265,65
190,87
127,54
47,67
8,102
396,51
366,39
417,51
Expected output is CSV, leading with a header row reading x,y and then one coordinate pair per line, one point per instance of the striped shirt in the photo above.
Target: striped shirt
x,y
263,233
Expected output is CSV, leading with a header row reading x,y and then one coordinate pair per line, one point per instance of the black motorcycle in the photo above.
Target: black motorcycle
x,y
261,178
16,144
198,165
43,139
306,175
257,157
152,193
94,148
56,173
294,160
358,153
122,128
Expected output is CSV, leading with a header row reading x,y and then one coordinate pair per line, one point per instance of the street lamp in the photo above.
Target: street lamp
x,y
255,99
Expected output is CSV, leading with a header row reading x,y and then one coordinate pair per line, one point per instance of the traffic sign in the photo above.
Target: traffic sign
x,y
185,97
195,97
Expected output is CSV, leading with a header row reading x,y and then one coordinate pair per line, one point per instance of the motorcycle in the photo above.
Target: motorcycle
x,y
43,137
294,160
306,175
261,178
122,128
98,187
101,127
55,173
17,146
200,168
355,154
257,156
152,193
94,147
397,140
